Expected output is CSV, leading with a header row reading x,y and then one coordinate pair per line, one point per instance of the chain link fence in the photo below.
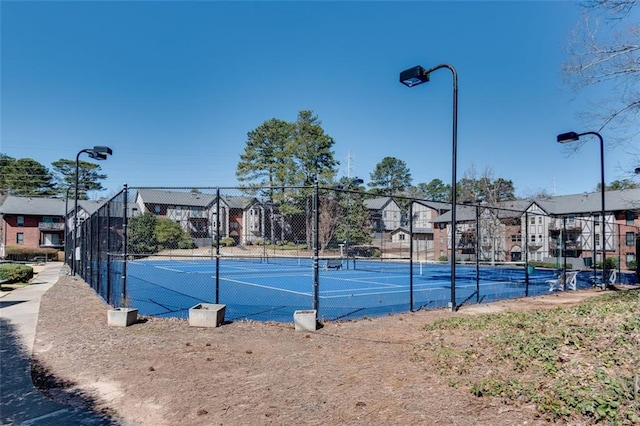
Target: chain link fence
x,y
266,252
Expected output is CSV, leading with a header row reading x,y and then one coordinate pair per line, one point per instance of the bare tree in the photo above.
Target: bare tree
x,y
604,50
329,212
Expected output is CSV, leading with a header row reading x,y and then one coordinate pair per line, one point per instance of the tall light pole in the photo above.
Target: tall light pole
x,y
97,153
571,137
413,77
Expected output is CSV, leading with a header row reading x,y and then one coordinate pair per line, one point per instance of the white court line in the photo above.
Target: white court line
x,y
378,293
266,286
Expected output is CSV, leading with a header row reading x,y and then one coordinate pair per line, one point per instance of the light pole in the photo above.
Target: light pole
x,y
571,137
66,226
97,153
413,77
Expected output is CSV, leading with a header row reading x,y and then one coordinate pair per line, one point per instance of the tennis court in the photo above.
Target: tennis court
x,y
271,289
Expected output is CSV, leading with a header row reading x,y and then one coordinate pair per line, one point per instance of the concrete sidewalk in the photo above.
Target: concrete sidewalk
x,y
21,403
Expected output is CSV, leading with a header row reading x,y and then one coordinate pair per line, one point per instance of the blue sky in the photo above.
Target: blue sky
x,y
174,87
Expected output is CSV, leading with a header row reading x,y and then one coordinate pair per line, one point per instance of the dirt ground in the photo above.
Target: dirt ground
x,y
164,372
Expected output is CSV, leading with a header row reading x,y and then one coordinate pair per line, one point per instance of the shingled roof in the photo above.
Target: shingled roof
x,y
34,206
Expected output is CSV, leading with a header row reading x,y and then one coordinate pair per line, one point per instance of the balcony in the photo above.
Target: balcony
x,y
568,245
557,224
51,226
534,245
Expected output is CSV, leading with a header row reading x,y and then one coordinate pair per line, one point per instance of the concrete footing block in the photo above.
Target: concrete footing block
x,y
305,320
122,317
207,315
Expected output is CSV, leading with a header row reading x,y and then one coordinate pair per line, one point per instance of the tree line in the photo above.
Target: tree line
x,y
26,177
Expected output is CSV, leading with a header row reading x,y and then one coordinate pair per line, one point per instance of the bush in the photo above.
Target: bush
x,y
550,265
14,273
186,244
443,258
228,242
611,263
27,254
632,264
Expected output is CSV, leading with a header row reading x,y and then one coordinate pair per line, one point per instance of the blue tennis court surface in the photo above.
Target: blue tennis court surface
x,y
272,289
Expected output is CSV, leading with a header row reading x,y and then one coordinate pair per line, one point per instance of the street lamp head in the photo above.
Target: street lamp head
x,y
103,150
568,137
99,152
414,76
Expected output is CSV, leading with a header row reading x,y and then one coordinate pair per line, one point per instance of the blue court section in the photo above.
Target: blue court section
x,y
272,289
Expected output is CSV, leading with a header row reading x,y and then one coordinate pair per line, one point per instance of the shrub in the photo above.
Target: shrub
x,y
443,258
20,253
186,244
14,273
550,265
632,264
228,242
610,262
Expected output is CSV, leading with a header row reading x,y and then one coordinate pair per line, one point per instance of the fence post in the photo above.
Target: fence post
x,y
410,256
316,289
619,252
125,232
525,247
477,249
564,252
109,255
217,283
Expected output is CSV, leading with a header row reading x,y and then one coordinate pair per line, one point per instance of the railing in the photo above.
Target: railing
x,y
568,245
557,224
50,226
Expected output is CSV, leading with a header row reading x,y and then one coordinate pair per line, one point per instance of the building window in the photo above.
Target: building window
x,y
19,238
401,237
51,239
597,239
631,238
596,219
532,221
630,217
540,220
20,221
156,209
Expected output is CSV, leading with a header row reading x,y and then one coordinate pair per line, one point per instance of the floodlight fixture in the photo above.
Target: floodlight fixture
x,y
572,137
97,153
413,77
568,137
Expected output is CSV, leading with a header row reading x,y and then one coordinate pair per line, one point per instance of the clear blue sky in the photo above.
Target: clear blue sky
x,y
174,87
